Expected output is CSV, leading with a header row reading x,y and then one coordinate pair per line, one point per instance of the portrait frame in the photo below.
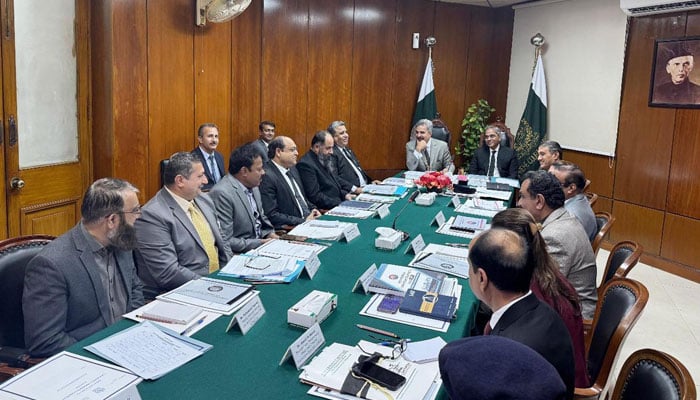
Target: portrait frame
x,y
675,85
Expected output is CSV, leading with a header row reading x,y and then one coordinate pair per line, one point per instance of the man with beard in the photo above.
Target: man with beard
x,y
85,279
319,174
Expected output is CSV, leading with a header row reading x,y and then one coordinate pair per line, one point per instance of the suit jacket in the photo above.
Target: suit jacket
x,y
261,147
64,300
507,162
579,207
322,188
345,169
440,157
568,244
236,217
278,200
169,251
207,167
533,323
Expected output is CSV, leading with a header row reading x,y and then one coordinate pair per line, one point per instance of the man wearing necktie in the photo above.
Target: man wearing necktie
x,y
212,160
284,200
349,167
265,136
239,207
492,159
178,234
427,154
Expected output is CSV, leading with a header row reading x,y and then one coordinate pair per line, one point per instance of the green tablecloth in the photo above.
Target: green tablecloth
x,y
246,367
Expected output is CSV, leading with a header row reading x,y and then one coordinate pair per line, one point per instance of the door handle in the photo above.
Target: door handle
x,y
17,183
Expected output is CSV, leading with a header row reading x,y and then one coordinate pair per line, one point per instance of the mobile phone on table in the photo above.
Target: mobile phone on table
x,y
379,375
390,304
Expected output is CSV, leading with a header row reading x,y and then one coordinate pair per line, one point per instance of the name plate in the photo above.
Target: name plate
x,y
439,219
248,315
311,265
455,202
305,346
416,246
365,279
351,233
383,211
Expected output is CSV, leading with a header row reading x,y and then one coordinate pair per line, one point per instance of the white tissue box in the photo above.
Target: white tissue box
x,y
314,307
389,242
426,199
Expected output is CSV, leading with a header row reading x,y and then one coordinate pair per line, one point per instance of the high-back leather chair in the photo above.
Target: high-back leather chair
x,y
622,258
507,139
617,311
162,165
604,221
654,375
15,254
441,132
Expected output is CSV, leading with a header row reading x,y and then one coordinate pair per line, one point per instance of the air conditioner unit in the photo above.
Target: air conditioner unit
x,y
637,8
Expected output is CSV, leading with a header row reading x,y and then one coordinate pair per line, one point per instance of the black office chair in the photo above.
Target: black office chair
x,y
15,254
616,313
654,375
163,164
441,132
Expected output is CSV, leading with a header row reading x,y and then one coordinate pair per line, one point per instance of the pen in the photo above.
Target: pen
x,y
163,320
375,330
191,328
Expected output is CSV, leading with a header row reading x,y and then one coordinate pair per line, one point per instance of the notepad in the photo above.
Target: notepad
x,y
171,313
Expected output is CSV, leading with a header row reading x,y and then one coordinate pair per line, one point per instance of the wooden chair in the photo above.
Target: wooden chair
x,y
15,254
622,258
654,375
604,221
587,185
616,313
592,198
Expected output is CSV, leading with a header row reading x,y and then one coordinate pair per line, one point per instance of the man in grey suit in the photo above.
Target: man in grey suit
x,y
541,194
266,134
244,225
178,234
425,154
84,280
572,182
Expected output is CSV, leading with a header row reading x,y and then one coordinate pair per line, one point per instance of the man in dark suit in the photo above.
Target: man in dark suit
x,y
266,134
212,160
678,89
244,225
349,167
178,234
319,174
86,279
492,159
283,197
500,275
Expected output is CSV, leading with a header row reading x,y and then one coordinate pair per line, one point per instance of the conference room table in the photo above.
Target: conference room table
x,y
247,366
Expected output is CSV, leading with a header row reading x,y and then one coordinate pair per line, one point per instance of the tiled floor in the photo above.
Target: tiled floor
x,y
670,321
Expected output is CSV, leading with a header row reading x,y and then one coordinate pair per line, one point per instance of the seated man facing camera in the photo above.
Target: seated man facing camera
x,y
492,159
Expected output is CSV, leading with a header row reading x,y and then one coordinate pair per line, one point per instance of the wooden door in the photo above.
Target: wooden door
x,y
44,185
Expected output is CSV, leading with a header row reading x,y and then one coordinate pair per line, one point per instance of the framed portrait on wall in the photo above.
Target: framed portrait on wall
x,y
675,79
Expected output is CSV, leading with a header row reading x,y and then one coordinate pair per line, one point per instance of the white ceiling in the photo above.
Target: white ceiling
x,y
488,3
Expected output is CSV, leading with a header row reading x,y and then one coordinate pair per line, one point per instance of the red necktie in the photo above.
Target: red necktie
x,y
488,329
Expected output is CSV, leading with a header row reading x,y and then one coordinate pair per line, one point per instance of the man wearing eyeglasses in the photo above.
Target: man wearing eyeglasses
x,y
572,182
84,280
265,136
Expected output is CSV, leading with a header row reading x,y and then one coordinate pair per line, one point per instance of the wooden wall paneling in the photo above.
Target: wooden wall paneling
x,y
502,39
374,56
643,150
599,169
246,70
480,57
411,16
641,224
680,236
684,182
450,57
212,82
329,71
285,57
170,81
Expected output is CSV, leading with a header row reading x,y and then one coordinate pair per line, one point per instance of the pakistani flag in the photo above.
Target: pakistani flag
x,y
426,106
533,124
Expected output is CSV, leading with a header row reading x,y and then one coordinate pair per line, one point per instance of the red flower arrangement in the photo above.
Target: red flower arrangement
x,y
434,181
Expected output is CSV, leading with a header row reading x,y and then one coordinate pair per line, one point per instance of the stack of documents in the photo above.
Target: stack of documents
x,y
322,229
330,373
384,190
174,316
399,182
263,268
397,279
285,248
349,212
148,350
210,294
445,259
375,198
